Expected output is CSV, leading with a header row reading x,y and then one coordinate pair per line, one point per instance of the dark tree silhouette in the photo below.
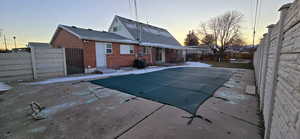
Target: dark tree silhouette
x,y
191,39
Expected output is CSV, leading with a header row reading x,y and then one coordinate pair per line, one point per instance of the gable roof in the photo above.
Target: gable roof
x,y
90,34
149,34
38,45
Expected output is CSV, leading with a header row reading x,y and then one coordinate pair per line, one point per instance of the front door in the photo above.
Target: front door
x,y
100,55
160,55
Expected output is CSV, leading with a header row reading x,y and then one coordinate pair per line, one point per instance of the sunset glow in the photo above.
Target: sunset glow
x,y
35,20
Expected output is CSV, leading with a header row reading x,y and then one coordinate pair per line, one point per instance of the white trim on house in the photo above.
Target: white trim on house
x,y
124,32
126,49
162,45
101,54
163,59
112,40
106,48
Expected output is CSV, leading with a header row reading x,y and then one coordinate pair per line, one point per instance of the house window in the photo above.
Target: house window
x,y
126,49
108,48
146,50
115,29
131,49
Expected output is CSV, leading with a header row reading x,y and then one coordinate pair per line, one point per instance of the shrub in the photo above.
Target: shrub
x,y
140,64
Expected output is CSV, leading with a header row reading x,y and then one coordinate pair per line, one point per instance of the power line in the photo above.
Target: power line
x,y
4,38
255,21
138,25
135,9
130,8
258,24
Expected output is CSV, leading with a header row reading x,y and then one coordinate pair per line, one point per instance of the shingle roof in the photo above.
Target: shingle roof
x,y
90,34
39,45
149,34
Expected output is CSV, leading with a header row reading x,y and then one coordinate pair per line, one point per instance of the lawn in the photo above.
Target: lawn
x,y
227,64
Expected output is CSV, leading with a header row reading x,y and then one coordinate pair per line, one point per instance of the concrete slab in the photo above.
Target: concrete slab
x,y
73,111
232,114
169,124
84,110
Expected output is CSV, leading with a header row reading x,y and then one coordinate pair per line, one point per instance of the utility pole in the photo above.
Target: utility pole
x,y
14,37
5,42
255,21
136,19
0,34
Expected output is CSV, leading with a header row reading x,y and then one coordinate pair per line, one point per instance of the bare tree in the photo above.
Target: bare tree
x,y
237,42
208,39
225,30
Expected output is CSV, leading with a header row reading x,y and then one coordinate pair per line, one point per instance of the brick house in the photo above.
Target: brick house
x,y
120,46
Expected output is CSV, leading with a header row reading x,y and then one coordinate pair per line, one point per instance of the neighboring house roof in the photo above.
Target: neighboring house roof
x,y
89,34
38,45
150,35
200,47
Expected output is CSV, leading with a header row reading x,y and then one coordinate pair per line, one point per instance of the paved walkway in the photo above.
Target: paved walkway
x,y
84,110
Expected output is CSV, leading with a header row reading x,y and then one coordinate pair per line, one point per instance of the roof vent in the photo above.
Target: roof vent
x,y
74,27
90,29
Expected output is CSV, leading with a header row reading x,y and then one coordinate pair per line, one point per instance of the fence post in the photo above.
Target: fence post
x,y
33,62
263,69
274,78
64,61
261,57
266,62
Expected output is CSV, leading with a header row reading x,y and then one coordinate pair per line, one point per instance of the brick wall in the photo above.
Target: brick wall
x,y
117,60
68,40
277,71
114,60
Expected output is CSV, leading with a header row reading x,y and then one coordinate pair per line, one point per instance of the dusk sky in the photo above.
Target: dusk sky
x,y
36,20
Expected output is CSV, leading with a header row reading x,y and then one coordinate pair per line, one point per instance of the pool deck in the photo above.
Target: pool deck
x,y
84,110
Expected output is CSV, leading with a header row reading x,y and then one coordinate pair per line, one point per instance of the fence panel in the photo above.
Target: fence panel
x,y
15,66
48,62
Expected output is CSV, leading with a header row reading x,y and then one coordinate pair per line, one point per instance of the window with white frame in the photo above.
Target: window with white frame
x,y
126,49
146,50
108,48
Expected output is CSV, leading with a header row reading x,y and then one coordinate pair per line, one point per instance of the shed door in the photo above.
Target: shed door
x,y
100,55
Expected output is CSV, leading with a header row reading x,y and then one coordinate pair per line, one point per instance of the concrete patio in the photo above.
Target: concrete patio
x,y
80,109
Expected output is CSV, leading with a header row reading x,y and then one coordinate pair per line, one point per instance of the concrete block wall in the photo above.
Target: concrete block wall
x,y
15,66
48,62
40,63
277,71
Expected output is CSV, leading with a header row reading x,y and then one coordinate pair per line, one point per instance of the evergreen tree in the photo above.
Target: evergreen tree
x,y
191,39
